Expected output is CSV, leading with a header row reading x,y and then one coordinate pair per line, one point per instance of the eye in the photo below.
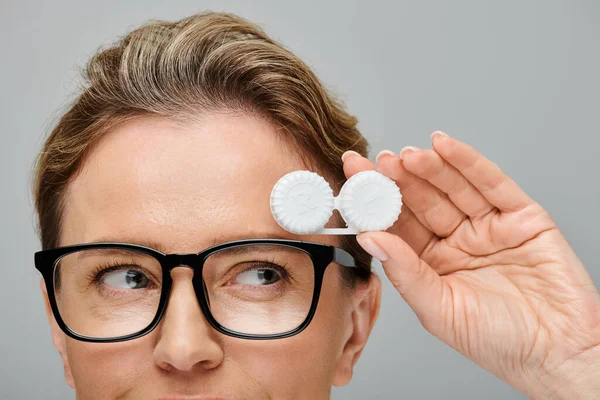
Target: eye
x,y
258,276
126,279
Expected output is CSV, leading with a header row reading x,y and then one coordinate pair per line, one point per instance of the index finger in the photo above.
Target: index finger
x,y
486,176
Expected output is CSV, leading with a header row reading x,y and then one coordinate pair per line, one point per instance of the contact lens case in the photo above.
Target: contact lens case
x,y
302,202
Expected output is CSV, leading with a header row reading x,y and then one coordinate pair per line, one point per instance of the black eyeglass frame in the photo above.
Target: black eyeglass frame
x,y
322,255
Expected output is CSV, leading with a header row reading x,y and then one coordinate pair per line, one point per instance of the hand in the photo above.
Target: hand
x,y
487,271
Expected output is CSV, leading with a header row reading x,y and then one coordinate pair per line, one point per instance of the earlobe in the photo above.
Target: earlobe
x,y
58,337
366,303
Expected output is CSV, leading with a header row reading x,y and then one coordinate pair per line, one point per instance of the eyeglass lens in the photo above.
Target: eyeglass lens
x,y
251,289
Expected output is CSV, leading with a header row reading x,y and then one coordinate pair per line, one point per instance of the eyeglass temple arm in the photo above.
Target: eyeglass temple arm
x,y
344,258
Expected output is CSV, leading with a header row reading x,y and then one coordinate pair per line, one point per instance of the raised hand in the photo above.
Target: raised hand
x,y
487,271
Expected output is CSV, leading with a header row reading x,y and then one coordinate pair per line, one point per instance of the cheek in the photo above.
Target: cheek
x,y
303,363
107,370
297,367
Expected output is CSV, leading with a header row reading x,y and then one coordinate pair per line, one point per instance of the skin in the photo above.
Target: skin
x,y
487,270
186,187
484,267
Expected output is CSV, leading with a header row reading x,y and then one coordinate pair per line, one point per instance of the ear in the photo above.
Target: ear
x,y
366,300
58,336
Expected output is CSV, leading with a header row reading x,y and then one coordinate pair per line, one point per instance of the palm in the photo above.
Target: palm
x,y
502,285
510,294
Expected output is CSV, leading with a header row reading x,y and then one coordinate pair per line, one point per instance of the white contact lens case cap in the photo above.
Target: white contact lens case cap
x,y
302,202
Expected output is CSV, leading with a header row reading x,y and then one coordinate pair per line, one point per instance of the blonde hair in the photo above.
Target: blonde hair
x,y
205,62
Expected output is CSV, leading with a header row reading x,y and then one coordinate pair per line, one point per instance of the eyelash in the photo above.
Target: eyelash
x,y
96,275
283,272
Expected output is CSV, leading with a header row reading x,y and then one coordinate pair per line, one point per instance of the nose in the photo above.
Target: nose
x,y
186,340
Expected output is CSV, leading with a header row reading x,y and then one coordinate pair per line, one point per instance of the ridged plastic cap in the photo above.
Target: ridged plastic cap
x,y
370,201
302,202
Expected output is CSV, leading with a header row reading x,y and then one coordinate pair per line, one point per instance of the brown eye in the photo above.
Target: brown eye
x,y
258,277
126,279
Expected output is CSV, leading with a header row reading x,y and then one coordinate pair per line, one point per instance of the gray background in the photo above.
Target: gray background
x,y
518,80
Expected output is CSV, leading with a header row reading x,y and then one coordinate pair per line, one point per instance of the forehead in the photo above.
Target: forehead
x,y
184,186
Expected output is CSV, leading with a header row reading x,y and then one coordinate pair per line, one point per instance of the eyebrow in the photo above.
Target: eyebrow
x,y
216,240
130,240
90,253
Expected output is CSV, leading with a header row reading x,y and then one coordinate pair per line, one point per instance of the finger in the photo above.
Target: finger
x,y
355,163
429,204
486,176
420,286
429,165
412,231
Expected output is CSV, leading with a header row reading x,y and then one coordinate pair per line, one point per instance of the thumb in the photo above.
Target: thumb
x,y
420,286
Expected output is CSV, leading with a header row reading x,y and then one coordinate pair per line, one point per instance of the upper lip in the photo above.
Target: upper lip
x,y
190,398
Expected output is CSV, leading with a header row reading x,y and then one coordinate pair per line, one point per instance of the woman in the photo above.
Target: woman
x,y
172,150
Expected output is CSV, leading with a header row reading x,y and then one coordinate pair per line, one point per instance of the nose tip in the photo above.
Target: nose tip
x,y
185,337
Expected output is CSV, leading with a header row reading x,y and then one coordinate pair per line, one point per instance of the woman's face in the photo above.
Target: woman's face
x,y
187,187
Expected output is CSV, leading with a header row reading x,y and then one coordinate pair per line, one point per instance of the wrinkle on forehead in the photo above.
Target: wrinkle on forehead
x,y
183,186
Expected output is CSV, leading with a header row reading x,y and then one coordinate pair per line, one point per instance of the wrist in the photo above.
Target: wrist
x,y
575,378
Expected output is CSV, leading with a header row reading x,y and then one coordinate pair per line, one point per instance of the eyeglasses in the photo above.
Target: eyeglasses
x,y
249,289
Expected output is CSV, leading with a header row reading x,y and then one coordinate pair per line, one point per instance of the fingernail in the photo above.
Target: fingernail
x,y
438,133
372,248
384,153
349,153
407,149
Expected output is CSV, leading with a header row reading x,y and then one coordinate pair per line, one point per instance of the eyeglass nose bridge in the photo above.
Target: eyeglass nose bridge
x,y
193,261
